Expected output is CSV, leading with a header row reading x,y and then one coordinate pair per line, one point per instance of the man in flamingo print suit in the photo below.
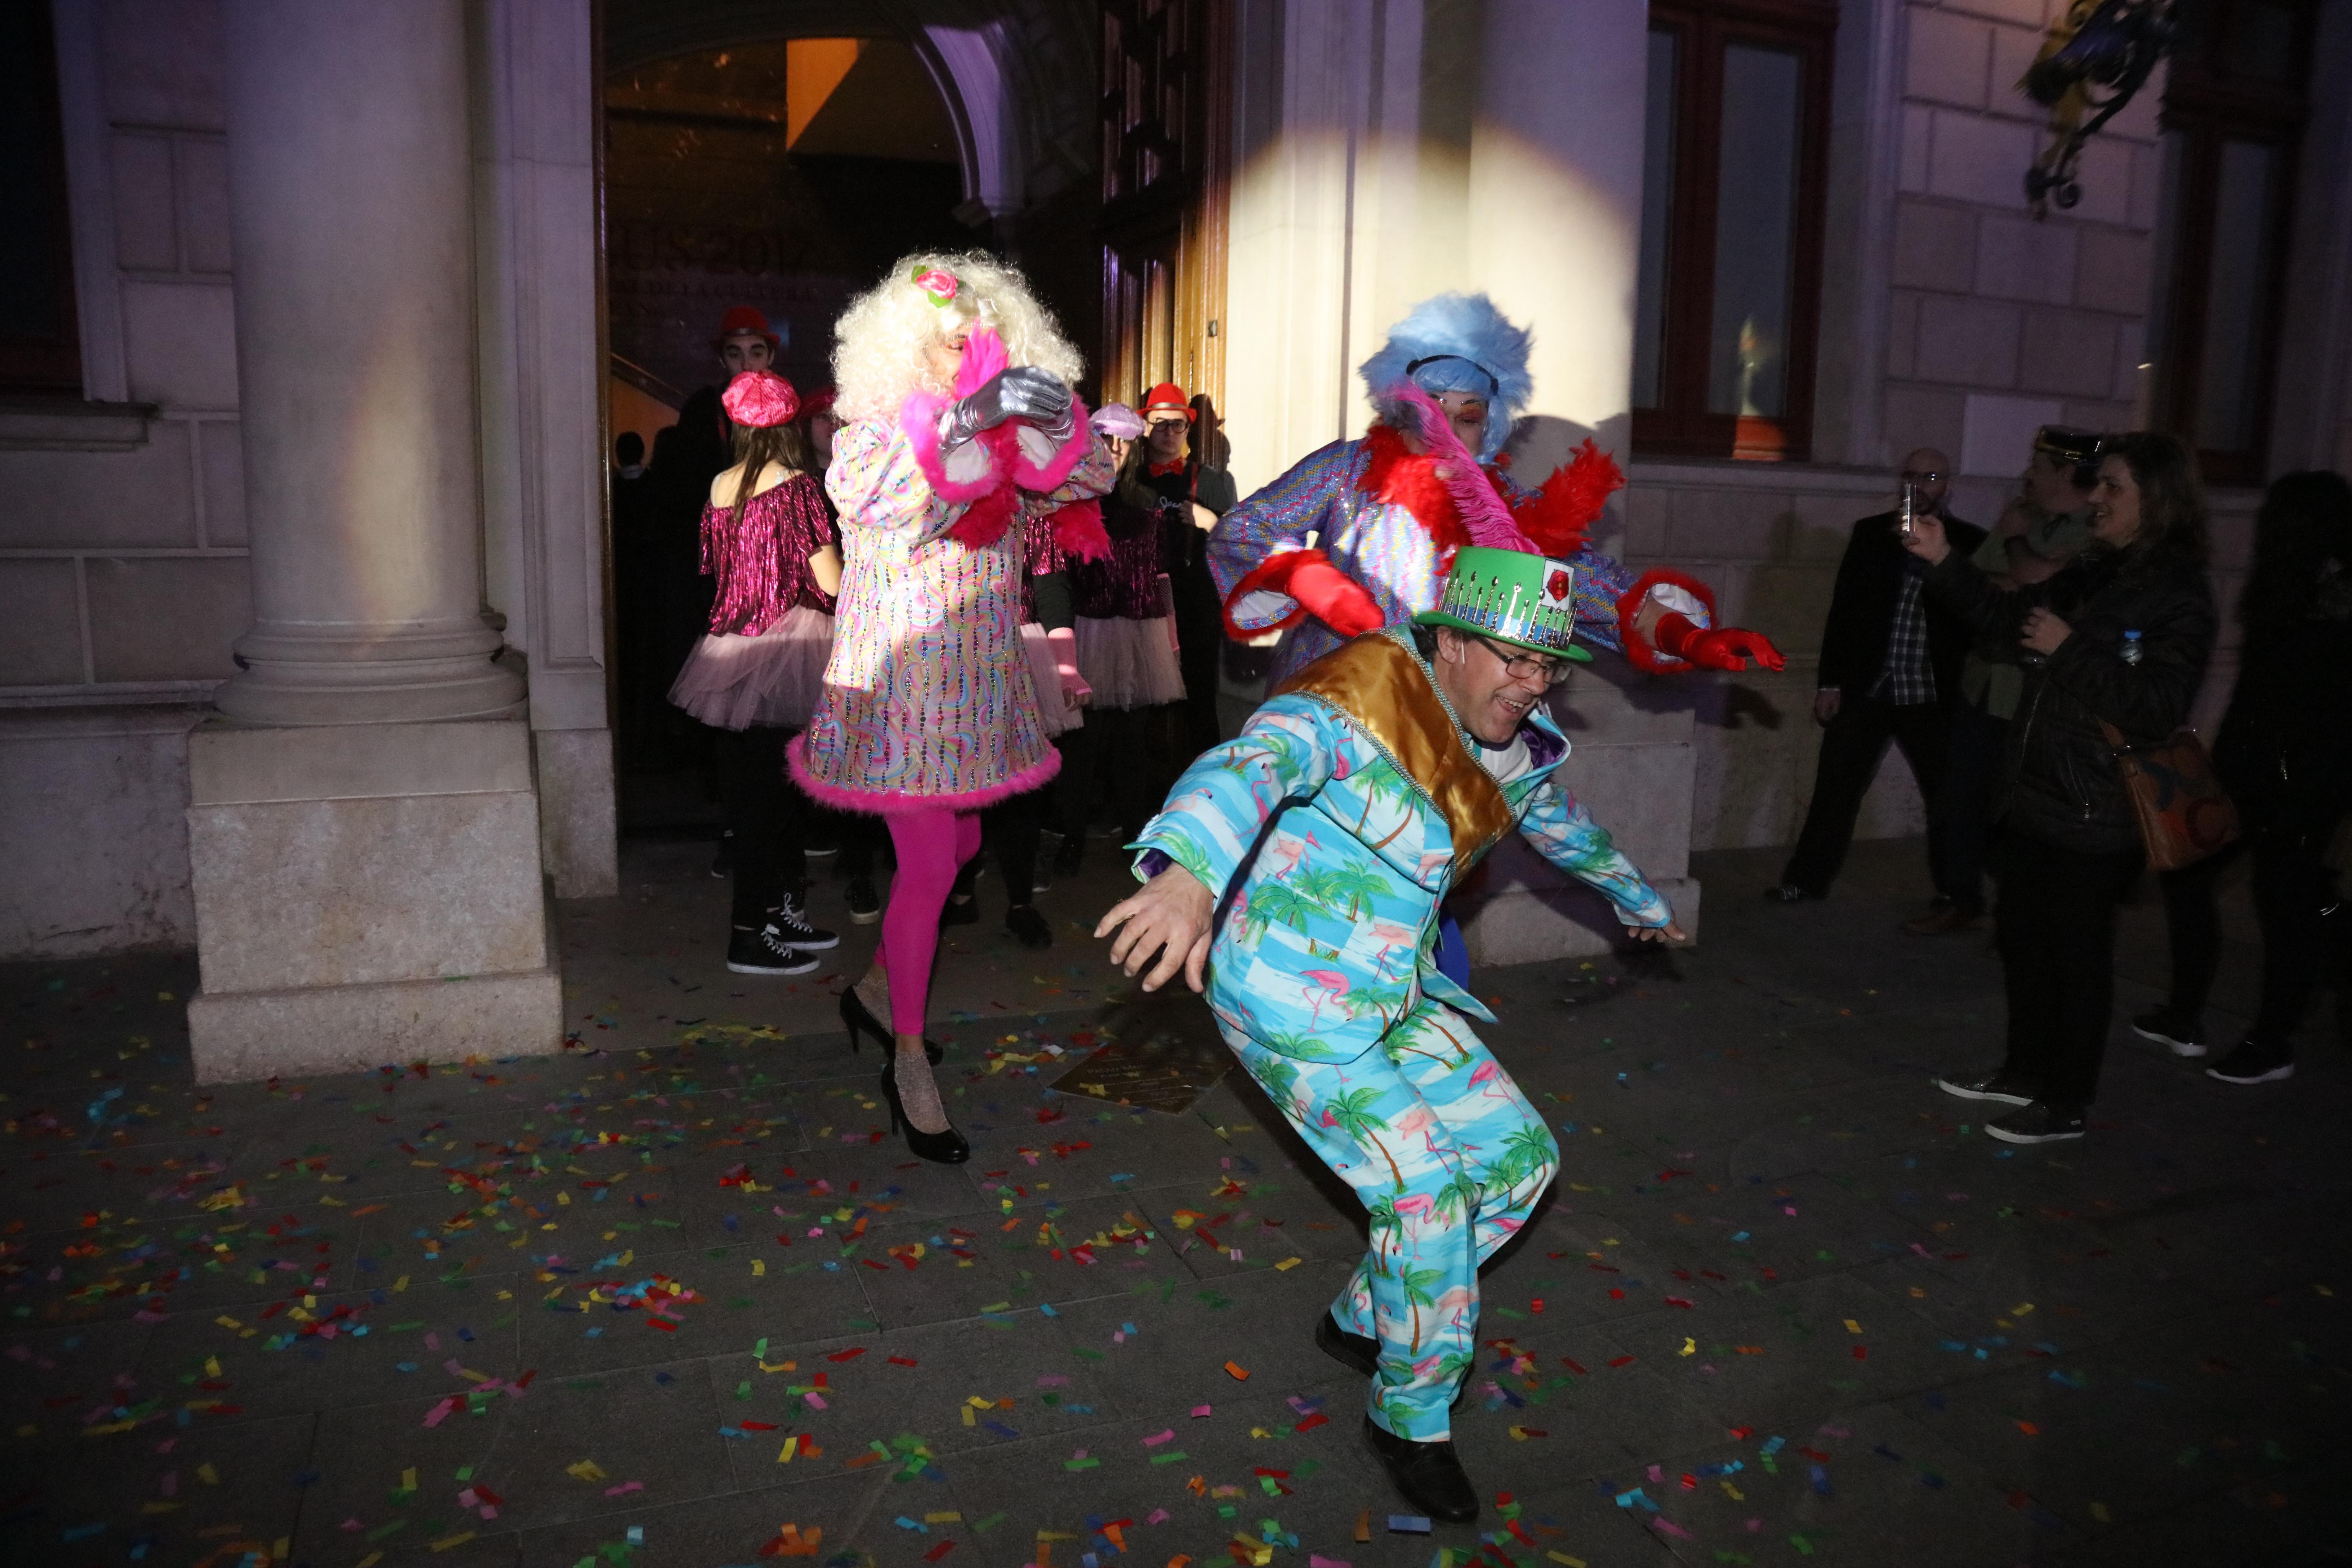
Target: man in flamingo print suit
x,y
1296,873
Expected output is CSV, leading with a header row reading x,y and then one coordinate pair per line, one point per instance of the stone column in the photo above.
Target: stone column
x,y
363,829
350,202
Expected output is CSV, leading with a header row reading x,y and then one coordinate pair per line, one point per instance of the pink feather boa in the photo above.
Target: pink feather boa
x,y
1481,507
991,500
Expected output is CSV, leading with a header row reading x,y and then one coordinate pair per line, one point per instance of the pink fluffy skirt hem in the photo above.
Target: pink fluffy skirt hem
x,y
891,802
733,682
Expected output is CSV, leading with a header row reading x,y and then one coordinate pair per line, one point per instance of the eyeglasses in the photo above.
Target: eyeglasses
x,y
1917,476
1528,667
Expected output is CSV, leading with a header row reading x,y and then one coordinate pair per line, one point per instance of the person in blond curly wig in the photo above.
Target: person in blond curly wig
x,y
960,435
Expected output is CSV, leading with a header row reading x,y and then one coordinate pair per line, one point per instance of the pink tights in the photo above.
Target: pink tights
x,y
932,846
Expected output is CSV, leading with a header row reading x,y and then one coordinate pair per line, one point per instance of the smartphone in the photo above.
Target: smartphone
x,y
1908,519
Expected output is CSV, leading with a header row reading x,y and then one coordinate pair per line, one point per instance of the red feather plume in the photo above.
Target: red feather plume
x,y
1555,517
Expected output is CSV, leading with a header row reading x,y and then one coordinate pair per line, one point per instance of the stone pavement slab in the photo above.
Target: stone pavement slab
x,y
655,1299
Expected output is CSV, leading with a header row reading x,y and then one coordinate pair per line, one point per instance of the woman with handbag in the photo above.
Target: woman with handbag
x,y
2116,640
2285,750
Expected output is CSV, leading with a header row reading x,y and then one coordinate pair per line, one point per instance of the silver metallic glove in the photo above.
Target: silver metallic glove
x,y
1021,392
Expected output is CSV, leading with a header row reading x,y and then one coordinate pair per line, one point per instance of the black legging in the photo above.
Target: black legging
x,y
768,815
1131,746
2291,888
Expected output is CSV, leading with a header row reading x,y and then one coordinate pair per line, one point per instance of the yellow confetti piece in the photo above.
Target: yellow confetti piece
x,y
586,1471
283,1548
563,1200
1734,1493
970,1419
758,1267
942,1519
447,1542
408,1479
2020,1309
1852,1327
1287,1264
1564,1557
369,1560
212,1366
2099,1513
791,1445
206,1474
157,1507
400,1284
228,1323
1690,1346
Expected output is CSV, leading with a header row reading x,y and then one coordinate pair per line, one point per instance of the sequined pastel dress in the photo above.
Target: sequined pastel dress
x,y
1381,545
763,660
929,700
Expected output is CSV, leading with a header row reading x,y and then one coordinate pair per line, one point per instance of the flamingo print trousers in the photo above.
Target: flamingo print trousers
x,y
1449,1159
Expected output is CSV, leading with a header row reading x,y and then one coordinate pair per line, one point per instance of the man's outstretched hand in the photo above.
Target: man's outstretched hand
x,y
1168,915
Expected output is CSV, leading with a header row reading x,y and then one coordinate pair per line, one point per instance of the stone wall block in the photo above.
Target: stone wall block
x,y
182,339
1902,335
1718,523
2018,258
1924,416
1647,518
2147,187
1934,246
159,61
168,620
2106,175
1918,146
2019,12
222,461
2068,351
2113,272
86,500
40,629
1788,604
203,165
1947,58
1980,160
1971,342
2013,49
145,235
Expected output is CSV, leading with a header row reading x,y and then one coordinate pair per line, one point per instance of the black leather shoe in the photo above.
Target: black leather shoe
x,y
1361,1351
1028,926
946,1148
1428,1474
960,912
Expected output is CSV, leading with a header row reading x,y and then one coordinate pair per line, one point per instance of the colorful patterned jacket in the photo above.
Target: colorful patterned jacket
x,y
1386,548
1378,806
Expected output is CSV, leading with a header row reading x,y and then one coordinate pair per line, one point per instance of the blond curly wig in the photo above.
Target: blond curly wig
x,y
881,344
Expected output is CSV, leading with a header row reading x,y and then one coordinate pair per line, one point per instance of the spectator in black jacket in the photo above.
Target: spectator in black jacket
x,y
1890,667
2121,635
2284,753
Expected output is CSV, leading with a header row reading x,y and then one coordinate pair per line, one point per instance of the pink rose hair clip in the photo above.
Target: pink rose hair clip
x,y
938,286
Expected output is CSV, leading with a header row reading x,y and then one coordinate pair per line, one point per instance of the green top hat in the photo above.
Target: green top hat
x,y
1512,596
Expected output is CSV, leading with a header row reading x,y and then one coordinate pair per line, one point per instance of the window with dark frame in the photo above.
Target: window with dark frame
x,y
40,335
2234,107
1734,178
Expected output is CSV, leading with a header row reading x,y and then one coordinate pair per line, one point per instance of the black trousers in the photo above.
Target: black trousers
x,y
2055,926
768,814
1009,831
1201,650
1118,756
1975,742
2291,889
1852,744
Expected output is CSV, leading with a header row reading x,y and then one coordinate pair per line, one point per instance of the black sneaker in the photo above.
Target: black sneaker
x,y
2039,1122
2254,1061
764,951
1790,893
722,860
1360,1351
2184,1037
964,912
820,851
1028,926
1998,1087
792,927
1428,1474
865,903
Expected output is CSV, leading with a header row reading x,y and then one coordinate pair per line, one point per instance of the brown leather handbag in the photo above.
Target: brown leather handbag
x,y
2184,813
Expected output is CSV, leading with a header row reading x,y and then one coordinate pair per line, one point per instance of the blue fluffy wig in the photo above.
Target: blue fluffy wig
x,y
1465,327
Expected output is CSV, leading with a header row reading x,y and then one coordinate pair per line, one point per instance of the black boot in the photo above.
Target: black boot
x,y
1428,1474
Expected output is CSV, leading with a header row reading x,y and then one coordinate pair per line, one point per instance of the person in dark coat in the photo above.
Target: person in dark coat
x,y
1890,667
2120,636
2284,753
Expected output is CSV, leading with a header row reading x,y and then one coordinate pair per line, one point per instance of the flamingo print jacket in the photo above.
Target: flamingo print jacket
x,y
1333,826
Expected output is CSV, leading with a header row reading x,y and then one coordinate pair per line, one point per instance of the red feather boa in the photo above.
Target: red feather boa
x,y
1554,519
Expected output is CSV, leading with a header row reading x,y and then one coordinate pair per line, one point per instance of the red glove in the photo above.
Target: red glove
x,y
1723,647
1320,589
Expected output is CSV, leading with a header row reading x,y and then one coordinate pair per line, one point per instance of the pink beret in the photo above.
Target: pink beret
x,y
759,398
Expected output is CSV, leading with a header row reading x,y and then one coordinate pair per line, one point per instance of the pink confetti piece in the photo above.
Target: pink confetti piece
x,y
1315,1559
1198,1411
435,1417
1158,1516
1671,1528
432,1340
454,1368
817,1400
624,1487
1162,1438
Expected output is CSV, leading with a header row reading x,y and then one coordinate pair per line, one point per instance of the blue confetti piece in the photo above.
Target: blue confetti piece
x,y
1407,1524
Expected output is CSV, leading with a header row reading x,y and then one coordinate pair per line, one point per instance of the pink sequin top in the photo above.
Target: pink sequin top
x,y
762,561
1125,584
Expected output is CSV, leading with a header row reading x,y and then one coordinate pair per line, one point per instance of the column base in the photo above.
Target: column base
x,y
1528,925
240,1036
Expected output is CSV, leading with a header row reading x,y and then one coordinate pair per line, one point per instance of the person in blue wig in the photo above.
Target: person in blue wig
x,y
1359,534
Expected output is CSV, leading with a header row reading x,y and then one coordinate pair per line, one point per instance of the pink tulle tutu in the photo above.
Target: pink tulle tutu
x,y
1057,717
1130,664
733,682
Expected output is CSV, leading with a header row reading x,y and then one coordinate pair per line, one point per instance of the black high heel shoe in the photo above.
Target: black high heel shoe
x,y
946,1148
856,1016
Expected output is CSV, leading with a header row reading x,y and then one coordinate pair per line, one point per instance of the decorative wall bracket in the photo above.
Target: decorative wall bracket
x,y
2110,44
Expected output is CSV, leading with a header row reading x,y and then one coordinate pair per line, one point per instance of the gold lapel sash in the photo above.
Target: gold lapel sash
x,y
1387,693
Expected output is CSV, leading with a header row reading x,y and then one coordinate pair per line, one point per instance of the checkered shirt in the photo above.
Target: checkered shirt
x,y
1907,679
